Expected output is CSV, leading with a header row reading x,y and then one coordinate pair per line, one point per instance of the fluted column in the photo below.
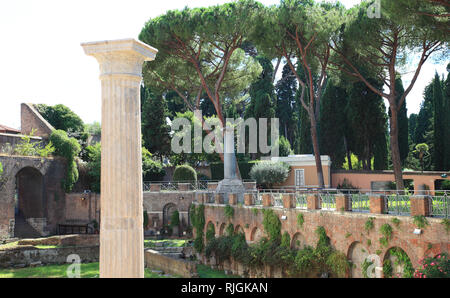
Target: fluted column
x,y
121,221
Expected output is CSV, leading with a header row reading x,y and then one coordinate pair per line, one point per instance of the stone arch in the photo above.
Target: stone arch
x,y
255,234
29,194
399,262
222,229
210,225
298,241
357,253
168,210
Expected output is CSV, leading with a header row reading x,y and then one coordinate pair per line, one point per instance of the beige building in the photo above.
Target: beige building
x,y
303,170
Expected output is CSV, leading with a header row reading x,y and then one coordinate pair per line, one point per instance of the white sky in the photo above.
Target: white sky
x,y
41,60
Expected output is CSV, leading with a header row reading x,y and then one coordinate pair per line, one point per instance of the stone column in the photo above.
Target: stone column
x,y
121,222
229,159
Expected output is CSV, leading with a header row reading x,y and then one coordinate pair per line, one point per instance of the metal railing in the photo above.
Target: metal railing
x,y
327,201
300,200
175,185
397,202
359,202
440,205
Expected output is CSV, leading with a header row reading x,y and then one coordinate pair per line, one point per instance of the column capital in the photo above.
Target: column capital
x,y
120,57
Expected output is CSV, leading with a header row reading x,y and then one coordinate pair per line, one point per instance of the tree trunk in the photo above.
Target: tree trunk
x,y
395,151
315,144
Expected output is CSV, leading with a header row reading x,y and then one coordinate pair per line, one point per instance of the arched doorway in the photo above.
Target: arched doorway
x,y
397,263
29,201
298,241
358,254
168,210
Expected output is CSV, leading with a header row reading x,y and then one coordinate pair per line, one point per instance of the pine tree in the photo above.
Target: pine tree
x,y
402,121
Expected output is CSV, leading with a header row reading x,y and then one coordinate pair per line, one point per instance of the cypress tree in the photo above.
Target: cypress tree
x,y
439,129
332,120
446,114
262,95
367,116
286,89
155,130
425,116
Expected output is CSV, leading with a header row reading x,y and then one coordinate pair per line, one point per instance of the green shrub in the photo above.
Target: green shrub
x,y
386,231
210,232
229,212
151,170
94,166
197,215
338,263
284,147
445,185
268,173
271,224
286,240
1,170
369,224
229,230
184,173
420,221
27,148
396,221
69,149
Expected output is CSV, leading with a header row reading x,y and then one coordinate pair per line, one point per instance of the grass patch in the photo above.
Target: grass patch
x,y
206,272
87,270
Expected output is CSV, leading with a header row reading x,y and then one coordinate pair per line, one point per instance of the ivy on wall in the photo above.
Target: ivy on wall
x,y
197,215
275,250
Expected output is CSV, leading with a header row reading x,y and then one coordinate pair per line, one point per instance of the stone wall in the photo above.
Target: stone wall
x,y
345,230
154,203
14,139
52,170
177,266
31,119
82,208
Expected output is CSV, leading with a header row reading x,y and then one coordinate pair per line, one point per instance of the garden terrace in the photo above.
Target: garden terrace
x,y
355,222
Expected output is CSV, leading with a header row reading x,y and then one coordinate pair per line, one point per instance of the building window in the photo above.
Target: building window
x,y
299,177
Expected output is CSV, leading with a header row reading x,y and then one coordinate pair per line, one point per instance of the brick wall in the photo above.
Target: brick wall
x,y
345,230
31,119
